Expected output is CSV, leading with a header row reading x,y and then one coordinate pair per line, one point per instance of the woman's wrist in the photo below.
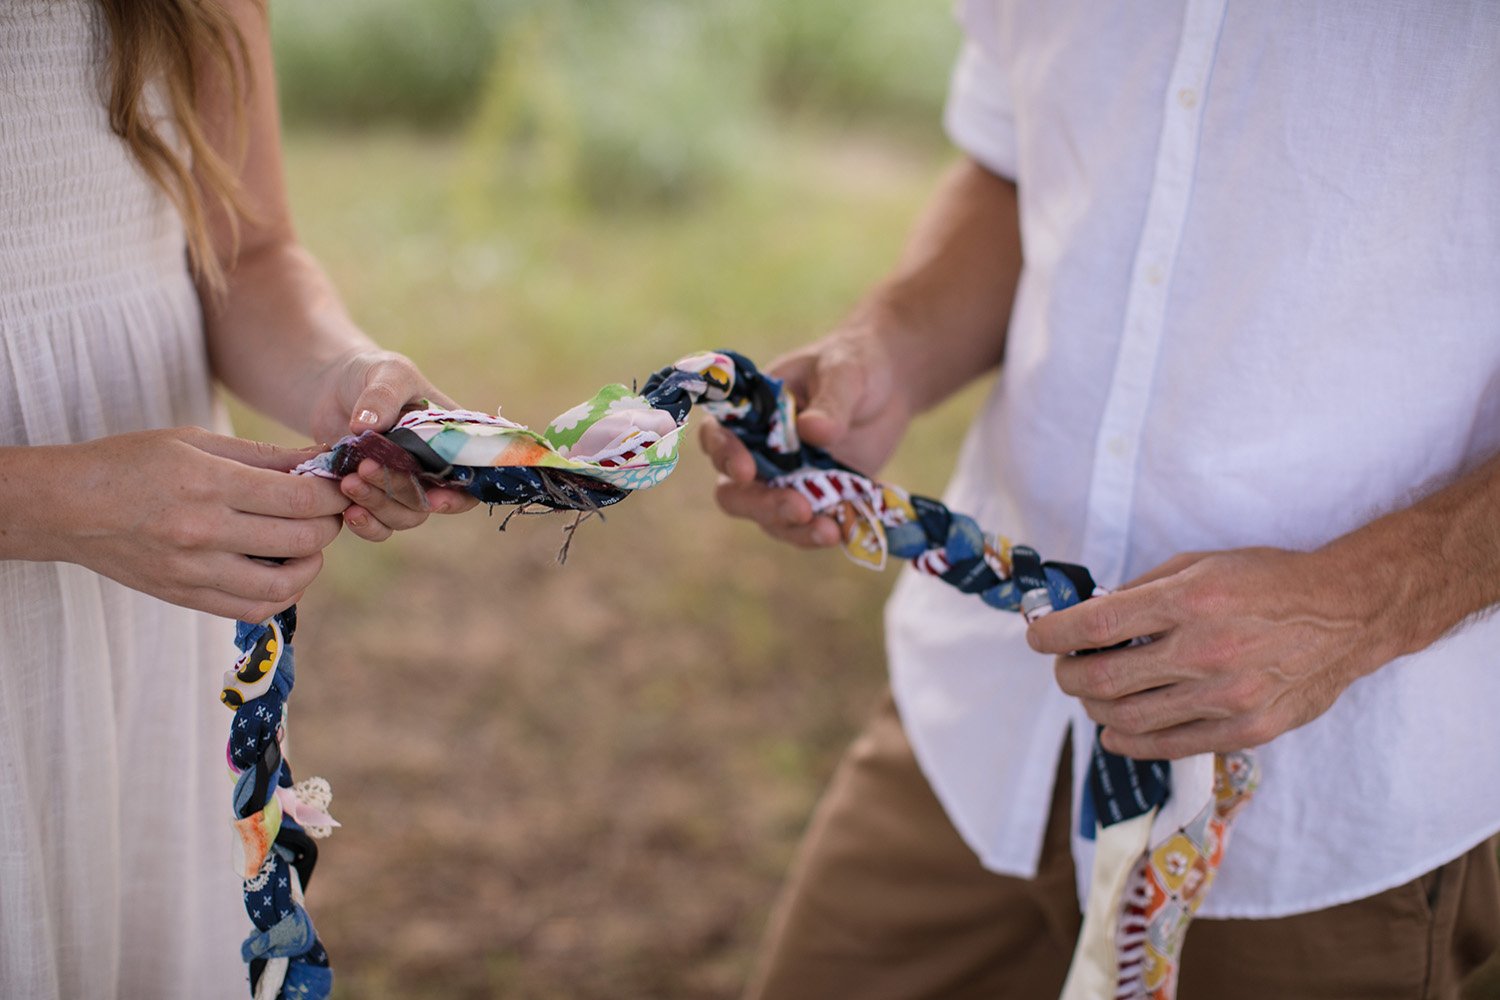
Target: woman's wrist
x,y
281,336
37,513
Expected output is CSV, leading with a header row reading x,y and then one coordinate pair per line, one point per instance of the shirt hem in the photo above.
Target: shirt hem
x,y
1339,897
1009,865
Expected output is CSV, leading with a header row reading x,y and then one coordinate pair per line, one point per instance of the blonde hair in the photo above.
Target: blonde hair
x,y
182,43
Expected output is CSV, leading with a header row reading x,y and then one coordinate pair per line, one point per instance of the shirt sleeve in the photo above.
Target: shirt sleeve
x,y
980,114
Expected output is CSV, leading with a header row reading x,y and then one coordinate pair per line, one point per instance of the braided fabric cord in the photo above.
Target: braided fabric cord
x,y
596,455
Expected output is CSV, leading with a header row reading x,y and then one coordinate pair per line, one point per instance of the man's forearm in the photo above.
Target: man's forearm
x,y
1433,565
945,308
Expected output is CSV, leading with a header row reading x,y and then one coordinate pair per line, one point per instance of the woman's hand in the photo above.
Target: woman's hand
x,y
847,387
366,391
184,515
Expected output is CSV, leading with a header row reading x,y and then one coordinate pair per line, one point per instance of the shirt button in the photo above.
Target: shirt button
x,y
1187,97
1155,274
1118,445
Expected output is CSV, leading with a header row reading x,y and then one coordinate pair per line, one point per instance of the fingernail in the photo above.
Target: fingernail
x,y
788,511
367,417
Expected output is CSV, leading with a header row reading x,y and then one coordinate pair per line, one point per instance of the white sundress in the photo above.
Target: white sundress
x,y
115,878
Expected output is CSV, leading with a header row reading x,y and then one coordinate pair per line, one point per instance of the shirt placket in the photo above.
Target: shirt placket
x,y
1117,447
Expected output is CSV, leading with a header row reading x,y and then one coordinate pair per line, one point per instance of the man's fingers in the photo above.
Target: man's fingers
x,y
1202,736
1156,709
783,514
1114,675
1172,566
837,386
727,453
819,533
796,372
779,508
1102,622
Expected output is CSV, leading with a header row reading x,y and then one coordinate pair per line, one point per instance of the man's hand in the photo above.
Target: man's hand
x,y
365,391
936,323
850,403
1245,645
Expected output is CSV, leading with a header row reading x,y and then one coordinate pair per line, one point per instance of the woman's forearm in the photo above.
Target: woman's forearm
x,y
278,331
278,326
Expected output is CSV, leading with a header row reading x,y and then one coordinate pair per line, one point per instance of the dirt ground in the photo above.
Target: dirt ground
x,y
581,781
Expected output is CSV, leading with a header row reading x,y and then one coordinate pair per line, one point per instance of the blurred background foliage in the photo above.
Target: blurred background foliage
x,y
614,101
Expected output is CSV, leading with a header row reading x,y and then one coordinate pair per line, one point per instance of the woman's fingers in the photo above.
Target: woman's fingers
x,y
192,517
376,385
276,494
276,537
255,454
366,525
395,499
249,589
447,500
384,502
260,491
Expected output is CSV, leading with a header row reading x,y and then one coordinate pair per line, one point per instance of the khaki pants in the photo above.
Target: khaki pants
x,y
885,902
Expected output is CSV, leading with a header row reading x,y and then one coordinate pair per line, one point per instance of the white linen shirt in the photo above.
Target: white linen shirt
x,y
1260,306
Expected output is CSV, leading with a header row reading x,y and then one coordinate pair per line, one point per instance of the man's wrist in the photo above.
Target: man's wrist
x,y
1427,568
942,312
897,320
1371,586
